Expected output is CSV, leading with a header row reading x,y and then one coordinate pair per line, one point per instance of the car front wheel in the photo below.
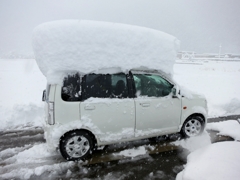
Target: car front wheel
x,y
76,145
193,126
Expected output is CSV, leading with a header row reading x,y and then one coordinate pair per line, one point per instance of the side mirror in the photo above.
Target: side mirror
x,y
175,92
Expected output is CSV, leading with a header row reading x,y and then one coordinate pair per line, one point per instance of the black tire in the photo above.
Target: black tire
x,y
76,145
193,126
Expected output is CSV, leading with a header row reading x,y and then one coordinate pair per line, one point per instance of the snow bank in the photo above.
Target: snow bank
x,y
194,143
89,46
219,161
226,128
21,117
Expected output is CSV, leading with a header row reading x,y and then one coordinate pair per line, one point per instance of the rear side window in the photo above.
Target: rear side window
x,y
105,86
71,89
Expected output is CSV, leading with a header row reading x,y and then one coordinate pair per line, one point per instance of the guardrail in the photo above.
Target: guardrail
x,y
192,55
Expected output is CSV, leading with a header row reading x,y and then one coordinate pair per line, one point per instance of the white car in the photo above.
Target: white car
x,y
92,110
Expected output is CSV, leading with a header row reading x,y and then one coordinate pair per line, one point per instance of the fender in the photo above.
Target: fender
x,y
191,107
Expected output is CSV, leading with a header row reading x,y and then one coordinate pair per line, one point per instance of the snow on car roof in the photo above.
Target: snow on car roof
x,y
92,46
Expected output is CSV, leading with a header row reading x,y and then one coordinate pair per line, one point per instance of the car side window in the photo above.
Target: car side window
x,y
151,85
71,89
119,85
105,86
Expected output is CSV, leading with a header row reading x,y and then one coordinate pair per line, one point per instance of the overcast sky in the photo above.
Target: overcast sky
x,y
200,25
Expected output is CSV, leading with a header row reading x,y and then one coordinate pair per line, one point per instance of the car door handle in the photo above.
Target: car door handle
x,y
89,107
145,104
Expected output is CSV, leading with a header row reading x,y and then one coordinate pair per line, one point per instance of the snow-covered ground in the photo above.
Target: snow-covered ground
x,y
226,128
218,161
217,80
21,108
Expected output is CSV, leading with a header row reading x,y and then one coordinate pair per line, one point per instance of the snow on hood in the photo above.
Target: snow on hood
x,y
89,46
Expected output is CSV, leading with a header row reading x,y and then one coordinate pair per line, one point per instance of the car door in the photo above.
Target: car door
x,y
105,102
157,112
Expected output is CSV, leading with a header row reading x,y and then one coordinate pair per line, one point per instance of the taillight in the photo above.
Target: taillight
x,y
51,119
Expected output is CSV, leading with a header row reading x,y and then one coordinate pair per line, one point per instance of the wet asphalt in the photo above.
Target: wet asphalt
x,y
164,163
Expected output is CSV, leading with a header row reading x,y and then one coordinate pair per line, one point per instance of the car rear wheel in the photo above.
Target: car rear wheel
x,y
76,145
193,126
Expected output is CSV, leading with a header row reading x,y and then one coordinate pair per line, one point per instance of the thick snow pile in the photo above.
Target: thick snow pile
x,y
212,161
219,161
21,117
194,143
226,128
88,46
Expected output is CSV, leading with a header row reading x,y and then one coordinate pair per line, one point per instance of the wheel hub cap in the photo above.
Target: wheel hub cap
x,y
77,146
193,127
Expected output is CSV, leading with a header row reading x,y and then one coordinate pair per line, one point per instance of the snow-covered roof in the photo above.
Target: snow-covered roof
x,y
88,46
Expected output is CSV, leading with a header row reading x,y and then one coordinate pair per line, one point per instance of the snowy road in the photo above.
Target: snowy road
x,y
19,138
24,155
